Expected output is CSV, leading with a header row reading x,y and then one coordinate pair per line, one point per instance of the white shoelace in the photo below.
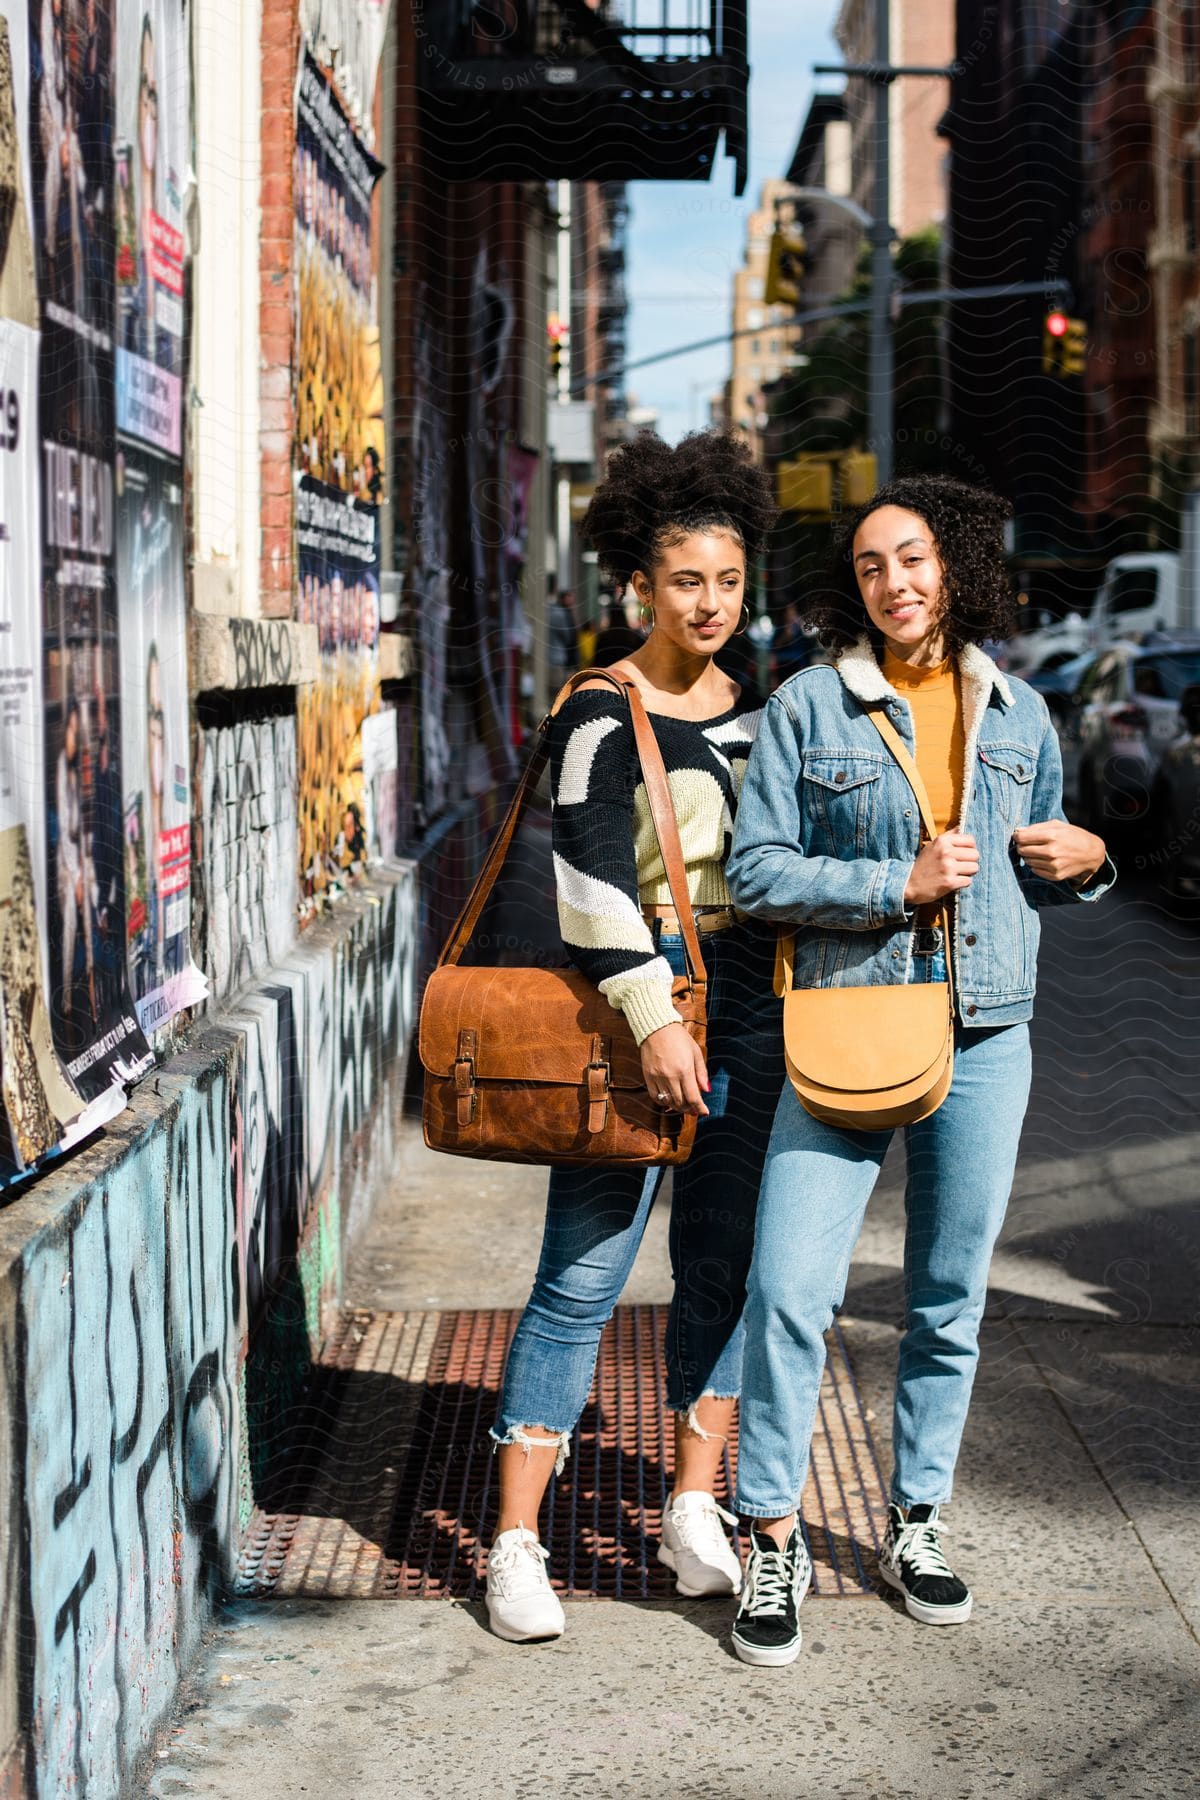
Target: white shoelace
x,y
701,1529
512,1572
768,1587
918,1544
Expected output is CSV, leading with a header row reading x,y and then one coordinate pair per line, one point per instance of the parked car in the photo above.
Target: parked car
x,y
1121,720
1176,800
1059,677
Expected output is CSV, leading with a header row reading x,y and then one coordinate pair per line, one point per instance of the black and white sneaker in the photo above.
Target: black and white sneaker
x,y
766,1631
912,1562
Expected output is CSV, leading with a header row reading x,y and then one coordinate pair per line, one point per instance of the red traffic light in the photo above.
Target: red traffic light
x,y
1056,324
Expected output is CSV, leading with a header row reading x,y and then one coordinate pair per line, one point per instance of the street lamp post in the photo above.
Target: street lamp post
x,y
880,407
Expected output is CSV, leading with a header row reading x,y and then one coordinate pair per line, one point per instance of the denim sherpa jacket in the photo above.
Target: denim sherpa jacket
x,y
828,830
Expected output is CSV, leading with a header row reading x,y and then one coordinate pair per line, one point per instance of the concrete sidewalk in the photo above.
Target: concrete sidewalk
x,y
1075,1522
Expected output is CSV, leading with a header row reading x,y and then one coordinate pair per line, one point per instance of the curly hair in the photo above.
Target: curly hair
x,y
967,527
654,494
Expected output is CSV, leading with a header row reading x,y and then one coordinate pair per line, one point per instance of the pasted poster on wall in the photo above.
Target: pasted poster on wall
x,y
150,152
39,1103
150,158
338,550
154,738
339,462
71,112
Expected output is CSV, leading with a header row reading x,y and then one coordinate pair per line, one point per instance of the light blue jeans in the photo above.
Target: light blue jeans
x,y
816,1185
596,1217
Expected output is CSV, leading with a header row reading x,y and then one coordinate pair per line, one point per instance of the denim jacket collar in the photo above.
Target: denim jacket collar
x,y
861,674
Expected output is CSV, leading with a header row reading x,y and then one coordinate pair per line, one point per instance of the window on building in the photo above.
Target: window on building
x,y
755,346
774,346
754,318
755,287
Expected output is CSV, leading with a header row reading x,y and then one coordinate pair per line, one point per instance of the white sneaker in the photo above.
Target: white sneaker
x,y
695,1546
521,1603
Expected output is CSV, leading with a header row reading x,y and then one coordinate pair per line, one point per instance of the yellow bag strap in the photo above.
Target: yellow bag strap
x,y
785,948
912,774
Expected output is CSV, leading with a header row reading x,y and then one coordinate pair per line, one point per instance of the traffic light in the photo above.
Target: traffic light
x,y
557,334
786,265
1064,345
860,477
805,485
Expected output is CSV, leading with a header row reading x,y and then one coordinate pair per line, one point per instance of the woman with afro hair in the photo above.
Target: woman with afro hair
x,y
829,841
682,526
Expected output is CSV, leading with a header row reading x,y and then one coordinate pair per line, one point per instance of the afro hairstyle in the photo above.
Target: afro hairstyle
x,y
654,493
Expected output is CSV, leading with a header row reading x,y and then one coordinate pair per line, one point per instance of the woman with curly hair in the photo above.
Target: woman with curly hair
x,y
829,840
682,526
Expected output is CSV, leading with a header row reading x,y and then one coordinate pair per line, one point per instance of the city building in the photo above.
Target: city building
x,y
1173,95
1014,128
1124,355
823,159
764,338
922,36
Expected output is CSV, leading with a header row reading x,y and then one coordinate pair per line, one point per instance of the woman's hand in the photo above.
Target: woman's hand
x,y
672,1064
1059,852
943,866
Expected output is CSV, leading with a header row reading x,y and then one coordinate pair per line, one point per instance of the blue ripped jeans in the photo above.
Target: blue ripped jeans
x,y
816,1185
596,1217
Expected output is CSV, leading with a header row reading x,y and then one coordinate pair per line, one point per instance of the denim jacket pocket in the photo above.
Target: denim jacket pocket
x,y
839,795
1009,772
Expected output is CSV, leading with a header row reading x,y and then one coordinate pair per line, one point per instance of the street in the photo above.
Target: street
x,y
1075,1517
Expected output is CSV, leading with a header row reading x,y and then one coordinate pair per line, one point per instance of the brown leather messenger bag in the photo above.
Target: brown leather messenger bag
x,y
533,1065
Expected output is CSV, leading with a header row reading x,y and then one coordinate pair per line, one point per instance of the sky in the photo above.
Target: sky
x,y
687,237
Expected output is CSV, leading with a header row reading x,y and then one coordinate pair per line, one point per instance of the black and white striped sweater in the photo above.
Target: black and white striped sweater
x,y
607,864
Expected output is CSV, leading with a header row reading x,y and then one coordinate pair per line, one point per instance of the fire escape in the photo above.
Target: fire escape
x,y
612,90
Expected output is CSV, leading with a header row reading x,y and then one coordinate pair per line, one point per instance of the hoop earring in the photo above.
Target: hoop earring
x,y
745,624
646,615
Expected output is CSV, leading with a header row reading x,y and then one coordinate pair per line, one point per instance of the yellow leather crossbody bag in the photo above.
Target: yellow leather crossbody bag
x,y
871,1058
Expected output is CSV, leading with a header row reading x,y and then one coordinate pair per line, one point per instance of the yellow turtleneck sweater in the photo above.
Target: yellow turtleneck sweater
x,y
935,697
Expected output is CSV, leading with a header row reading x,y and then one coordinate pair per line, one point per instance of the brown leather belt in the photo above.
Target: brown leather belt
x,y
708,918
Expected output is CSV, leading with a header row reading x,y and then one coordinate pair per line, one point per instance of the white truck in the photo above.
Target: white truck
x,y
1140,592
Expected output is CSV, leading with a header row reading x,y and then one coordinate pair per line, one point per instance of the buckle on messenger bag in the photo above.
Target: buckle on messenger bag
x,y
599,1076
464,1079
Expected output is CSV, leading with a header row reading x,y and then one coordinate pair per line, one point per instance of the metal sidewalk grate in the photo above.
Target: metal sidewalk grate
x,y
392,1487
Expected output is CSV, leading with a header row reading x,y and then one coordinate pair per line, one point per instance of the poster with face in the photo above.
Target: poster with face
x,y
39,1103
150,160
154,738
339,460
338,543
91,1014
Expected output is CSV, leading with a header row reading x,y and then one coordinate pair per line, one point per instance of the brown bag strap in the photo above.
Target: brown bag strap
x,y
654,776
785,948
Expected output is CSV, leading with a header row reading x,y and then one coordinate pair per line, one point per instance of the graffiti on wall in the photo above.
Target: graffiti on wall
x,y
130,1458
244,897
121,1343
429,476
